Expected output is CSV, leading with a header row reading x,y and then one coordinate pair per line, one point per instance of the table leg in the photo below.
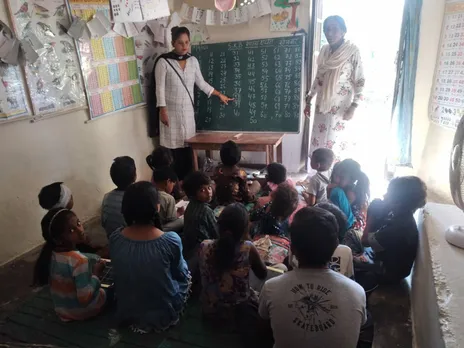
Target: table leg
x,y
279,153
267,155
195,159
271,154
208,154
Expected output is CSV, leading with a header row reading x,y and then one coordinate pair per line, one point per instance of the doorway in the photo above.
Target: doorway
x,y
374,27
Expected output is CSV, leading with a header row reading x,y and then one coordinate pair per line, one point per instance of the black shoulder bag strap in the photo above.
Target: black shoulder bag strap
x,y
182,80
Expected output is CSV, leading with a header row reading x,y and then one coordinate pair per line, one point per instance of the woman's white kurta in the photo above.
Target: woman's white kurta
x,y
330,130
171,93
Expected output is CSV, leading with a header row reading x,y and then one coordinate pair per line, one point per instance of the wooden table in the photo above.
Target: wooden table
x,y
254,142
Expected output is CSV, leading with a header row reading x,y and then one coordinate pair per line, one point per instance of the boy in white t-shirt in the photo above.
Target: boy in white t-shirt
x,y
342,258
316,186
313,306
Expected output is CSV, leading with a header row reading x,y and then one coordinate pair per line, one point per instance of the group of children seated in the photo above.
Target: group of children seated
x,y
331,245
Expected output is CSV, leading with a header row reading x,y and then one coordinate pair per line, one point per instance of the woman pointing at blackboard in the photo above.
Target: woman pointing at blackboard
x,y
339,85
176,73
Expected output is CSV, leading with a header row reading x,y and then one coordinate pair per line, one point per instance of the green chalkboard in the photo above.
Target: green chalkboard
x,y
264,77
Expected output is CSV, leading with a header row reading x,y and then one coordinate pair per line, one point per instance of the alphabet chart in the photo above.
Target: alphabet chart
x,y
109,65
447,100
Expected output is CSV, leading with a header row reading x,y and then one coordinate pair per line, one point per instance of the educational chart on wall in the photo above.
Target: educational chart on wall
x,y
54,79
285,15
147,52
264,78
109,64
447,100
12,97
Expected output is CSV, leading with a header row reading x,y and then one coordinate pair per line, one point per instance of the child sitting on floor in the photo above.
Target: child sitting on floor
x,y
276,175
391,230
58,195
225,266
313,306
227,192
230,157
316,186
74,284
123,174
151,278
165,179
271,222
199,219
347,177
272,218
162,157
342,258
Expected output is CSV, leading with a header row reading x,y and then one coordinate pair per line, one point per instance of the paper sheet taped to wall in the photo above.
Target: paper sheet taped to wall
x,y
447,100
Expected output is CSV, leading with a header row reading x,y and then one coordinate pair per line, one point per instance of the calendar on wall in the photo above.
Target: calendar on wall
x,y
109,64
447,100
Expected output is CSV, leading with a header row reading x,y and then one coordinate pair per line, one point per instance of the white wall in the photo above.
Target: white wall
x,y
431,144
61,149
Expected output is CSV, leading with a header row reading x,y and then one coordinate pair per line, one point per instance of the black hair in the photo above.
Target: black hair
x,y
164,174
276,173
284,201
233,228
140,205
342,221
340,21
357,177
314,236
324,157
176,32
123,172
54,224
160,157
193,182
50,195
409,192
230,153
224,186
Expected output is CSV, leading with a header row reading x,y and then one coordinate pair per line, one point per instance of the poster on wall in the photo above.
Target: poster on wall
x,y
12,97
109,64
285,15
198,33
447,100
147,52
54,79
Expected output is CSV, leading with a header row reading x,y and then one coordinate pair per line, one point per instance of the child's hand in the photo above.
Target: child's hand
x,y
180,211
98,268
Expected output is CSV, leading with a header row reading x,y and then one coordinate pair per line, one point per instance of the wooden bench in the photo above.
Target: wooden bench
x,y
254,142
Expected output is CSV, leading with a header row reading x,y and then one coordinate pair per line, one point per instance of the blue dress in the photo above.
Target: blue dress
x,y
152,280
339,198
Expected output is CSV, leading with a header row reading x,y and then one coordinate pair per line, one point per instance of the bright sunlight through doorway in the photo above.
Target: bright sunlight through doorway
x,y
374,26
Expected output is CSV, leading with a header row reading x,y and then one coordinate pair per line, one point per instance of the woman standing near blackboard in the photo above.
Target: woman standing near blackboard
x,y
339,84
176,73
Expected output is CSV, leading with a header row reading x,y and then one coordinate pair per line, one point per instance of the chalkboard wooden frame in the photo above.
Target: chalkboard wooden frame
x,y
255,66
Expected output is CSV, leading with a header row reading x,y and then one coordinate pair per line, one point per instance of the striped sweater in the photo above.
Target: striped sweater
x,y
76,293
